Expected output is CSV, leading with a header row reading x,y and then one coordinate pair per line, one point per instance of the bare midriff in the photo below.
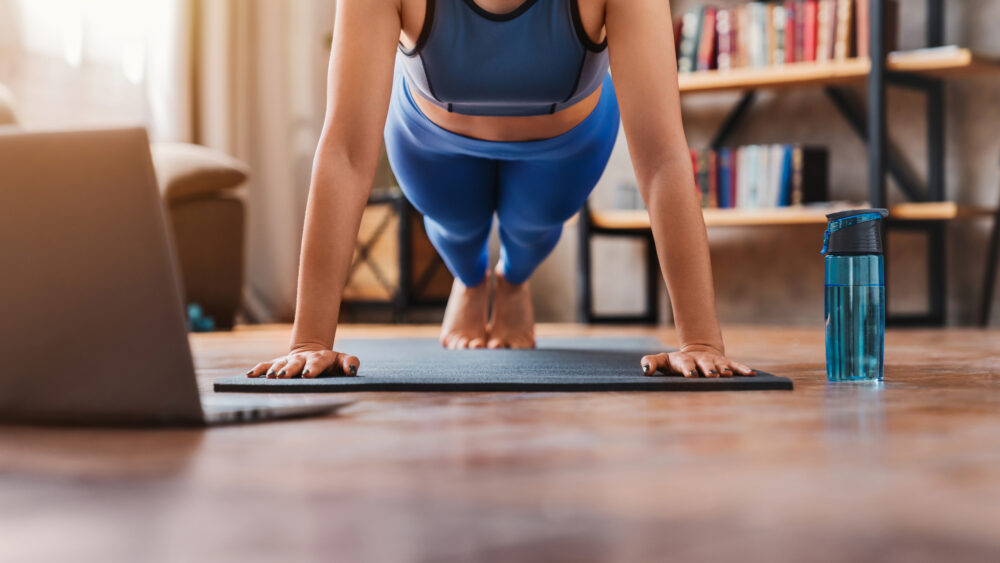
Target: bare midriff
x,y
494,128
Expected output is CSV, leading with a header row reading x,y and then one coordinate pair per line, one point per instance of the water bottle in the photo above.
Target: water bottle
x,y
855,295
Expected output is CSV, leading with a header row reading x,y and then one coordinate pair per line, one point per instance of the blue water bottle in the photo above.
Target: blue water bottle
x,y
855,295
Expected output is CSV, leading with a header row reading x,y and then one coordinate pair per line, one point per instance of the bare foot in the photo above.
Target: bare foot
x,y
512,324
464,323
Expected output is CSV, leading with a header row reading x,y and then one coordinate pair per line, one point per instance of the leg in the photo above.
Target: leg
x,y
456,194
536,196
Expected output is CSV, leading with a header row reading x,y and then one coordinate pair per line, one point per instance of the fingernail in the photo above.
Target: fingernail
x,y
305,372
282,373
250,372
713,371
692,372
353,369
645,369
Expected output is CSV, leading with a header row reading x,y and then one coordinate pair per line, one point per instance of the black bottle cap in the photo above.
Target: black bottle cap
x,y
858,231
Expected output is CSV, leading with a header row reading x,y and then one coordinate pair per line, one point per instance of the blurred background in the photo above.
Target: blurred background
x,y
246,78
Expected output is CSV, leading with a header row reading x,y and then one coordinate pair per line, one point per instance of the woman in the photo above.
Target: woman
x,y
506,108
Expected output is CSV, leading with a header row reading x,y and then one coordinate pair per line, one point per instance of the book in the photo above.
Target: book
x,y
792,18
707,40
725,159
890,31
785,183
757,41
825,28
779,22
691,25
809,13
761,176
724,29
844,44
770,47
743,33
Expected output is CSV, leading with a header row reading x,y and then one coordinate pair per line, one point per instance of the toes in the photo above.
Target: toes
x,y
497,344
477,343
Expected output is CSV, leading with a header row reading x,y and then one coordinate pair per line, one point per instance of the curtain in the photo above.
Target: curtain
x,y
247,77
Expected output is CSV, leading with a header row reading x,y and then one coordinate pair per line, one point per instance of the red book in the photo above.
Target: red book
x,y
706,51
809,19
791,29
734,171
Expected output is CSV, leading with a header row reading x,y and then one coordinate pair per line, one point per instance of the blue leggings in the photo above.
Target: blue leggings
x,y
458,183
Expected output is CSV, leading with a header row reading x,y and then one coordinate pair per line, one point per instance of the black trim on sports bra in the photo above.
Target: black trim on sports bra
x,y
582,33
501,17
425,32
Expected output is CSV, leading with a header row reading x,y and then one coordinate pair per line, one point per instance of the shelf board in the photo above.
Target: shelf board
x,y
935,211
941,63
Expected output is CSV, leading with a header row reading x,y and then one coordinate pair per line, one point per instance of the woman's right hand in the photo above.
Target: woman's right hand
x,y
308,363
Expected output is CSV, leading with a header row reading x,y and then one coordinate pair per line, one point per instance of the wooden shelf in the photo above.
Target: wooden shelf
x,y
946,63
936,211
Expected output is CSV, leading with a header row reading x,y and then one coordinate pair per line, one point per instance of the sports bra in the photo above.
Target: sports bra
x,y
534,60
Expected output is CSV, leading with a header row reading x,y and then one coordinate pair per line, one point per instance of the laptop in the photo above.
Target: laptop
x,y
92,325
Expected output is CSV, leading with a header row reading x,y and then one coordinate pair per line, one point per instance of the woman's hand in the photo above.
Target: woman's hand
x,y
307,362
695,360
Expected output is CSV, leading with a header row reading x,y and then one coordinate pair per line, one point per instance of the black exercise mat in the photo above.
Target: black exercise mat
x,y
585,364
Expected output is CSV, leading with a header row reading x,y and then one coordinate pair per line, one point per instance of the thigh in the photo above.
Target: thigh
x,y
546,192
455,190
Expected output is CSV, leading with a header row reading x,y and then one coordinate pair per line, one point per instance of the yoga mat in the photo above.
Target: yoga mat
x,y
583,364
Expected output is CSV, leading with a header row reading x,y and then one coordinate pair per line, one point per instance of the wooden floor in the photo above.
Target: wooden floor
x,y
909,471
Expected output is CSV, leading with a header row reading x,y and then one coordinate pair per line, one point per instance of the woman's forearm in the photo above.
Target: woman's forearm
x,y
337,199
682,247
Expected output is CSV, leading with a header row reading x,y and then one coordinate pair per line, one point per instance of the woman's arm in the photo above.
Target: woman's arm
x,y
359,85
644,68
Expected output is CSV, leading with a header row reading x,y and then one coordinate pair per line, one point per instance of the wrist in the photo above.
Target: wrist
x,y
704,347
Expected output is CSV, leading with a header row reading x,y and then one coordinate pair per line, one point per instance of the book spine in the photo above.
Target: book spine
x,y
713,179
743,34
845,25
824,30
706,50
779,23
725,158
792,18
723,25
734,177
785,189
863,35
690,30
809,30
815,175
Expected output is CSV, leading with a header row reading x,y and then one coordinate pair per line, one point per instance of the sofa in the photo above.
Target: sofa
x,y
202,191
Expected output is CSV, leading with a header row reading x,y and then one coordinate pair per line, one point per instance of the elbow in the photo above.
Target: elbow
x,y
658,181
346,157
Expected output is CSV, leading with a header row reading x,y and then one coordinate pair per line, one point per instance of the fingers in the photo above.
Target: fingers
x,y
277,368
707,367
316,364
293,367
349,364
652,364
743,370
678,363
259,370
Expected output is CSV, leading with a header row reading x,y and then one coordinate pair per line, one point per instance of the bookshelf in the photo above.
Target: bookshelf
x,y
926,209
957,63
637,219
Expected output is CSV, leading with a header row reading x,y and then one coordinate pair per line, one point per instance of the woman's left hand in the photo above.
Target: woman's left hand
x,y
695,361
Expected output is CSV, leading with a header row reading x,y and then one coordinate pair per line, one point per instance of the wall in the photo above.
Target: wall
x,y
774,275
